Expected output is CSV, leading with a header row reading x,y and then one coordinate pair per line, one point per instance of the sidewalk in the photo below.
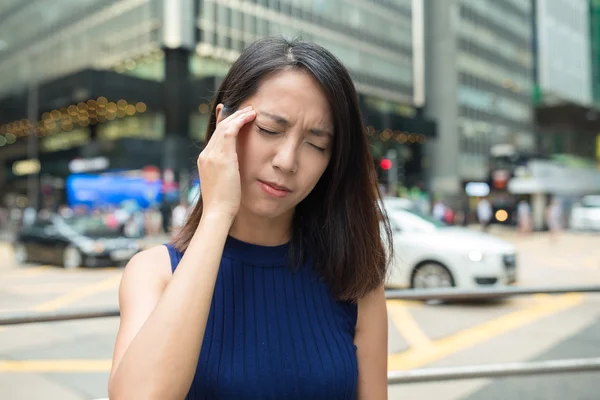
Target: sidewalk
x,y
497,230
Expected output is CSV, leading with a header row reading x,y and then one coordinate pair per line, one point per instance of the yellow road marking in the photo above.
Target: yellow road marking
x,y
418,357
406,324
79,294
75,365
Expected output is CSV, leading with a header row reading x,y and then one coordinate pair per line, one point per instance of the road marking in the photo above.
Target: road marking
x,y
79,294
420,356
74,365
406,324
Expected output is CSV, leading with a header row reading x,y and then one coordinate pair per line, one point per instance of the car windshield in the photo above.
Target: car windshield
x,y
591,202
410,220
94,226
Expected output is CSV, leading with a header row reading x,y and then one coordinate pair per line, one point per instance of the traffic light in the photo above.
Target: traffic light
x,y
385,164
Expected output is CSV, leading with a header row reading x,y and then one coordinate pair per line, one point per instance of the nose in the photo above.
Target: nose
x,y
286,157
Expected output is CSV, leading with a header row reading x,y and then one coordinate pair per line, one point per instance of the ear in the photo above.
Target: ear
x,y
220,114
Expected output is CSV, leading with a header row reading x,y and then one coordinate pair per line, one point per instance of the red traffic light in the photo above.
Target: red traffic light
x,y
385,164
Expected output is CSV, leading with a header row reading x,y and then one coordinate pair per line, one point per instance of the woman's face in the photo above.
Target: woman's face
x,y
285,150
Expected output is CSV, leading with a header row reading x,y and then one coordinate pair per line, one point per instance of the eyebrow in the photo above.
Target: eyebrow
x,y
284,122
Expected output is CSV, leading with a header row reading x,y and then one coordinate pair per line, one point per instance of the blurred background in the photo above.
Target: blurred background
x,y
483,118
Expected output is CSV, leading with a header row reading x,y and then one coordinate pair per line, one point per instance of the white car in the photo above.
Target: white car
x,y
586,214
430,254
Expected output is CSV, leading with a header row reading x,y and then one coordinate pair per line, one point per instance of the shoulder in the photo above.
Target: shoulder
x,y
371,308
150,266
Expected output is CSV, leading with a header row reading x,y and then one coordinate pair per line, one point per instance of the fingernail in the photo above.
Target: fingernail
x,y
246,108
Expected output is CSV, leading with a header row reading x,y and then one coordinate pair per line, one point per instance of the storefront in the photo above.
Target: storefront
x,y
400,130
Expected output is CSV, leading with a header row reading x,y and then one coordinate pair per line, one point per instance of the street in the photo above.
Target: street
x,y
71,360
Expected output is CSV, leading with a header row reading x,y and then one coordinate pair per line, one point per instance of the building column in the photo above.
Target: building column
x,y
176,109
178,41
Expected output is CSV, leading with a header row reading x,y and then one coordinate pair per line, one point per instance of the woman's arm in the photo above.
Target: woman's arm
x,y
162,326
371,340
158,344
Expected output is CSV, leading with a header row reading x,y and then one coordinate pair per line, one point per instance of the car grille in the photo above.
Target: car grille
x,y
509,260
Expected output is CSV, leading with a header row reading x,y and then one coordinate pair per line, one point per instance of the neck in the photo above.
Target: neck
x,y
262,231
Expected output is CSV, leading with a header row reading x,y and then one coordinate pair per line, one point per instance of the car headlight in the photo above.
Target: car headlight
x,y
91,246
476,256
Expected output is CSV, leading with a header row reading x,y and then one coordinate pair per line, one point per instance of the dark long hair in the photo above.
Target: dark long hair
x,y
341,223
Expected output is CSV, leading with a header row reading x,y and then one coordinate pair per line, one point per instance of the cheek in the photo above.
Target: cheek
x,y
314,167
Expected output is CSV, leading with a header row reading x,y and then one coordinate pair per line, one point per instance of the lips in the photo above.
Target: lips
x,y
274,190
276,186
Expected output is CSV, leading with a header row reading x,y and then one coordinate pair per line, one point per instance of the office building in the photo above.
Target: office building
x,y
479,75
566,40
131,80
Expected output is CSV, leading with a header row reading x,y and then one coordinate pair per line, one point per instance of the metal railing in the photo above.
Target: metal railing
x,y
493,293
495,370
410,376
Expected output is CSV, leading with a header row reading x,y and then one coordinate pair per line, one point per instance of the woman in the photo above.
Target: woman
x,y
274,287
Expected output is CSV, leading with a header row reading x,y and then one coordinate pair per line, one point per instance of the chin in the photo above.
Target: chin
x,y
267,209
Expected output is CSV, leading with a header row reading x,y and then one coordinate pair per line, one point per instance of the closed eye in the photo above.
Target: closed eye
x,y
266,131
321,149
273,133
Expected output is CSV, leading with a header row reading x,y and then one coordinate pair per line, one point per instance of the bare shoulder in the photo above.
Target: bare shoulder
x,y
151,266
374,300
372,312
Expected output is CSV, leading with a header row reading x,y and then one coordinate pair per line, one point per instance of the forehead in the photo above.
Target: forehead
x,y
294,94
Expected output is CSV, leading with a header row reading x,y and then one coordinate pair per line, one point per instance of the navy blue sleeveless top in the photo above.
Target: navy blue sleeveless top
x,y
273,333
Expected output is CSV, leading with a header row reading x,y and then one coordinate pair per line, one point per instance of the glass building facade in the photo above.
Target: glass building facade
x,y
99,70
595,49
495,79
480,79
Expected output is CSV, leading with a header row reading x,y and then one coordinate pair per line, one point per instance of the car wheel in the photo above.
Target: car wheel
x,y
72,258
431,275
21,255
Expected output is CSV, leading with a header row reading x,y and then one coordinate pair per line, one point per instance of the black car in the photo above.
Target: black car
x,y
73,242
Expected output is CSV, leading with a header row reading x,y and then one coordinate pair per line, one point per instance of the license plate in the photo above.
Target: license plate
x,y
511,274
121,255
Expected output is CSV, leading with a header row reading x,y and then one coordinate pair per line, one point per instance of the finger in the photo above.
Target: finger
x,y
236,114
215,141
233,128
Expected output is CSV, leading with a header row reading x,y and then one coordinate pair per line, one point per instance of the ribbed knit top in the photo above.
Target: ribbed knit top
x,y
273,333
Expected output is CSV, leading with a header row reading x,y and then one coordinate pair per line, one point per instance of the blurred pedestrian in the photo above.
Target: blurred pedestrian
x,y
179,217
281,259
449,216
466,211
553,219
524,219
165,213
439,210
484,213
29,216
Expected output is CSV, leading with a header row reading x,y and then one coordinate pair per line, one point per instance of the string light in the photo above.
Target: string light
x,y
140,107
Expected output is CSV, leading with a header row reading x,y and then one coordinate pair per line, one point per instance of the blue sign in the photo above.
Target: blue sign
x,y
103,190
